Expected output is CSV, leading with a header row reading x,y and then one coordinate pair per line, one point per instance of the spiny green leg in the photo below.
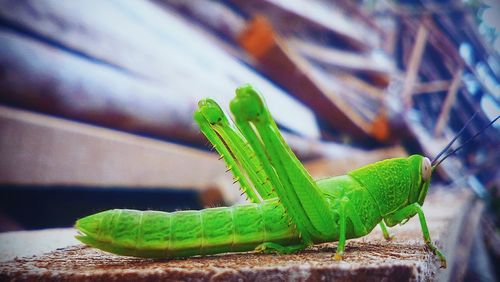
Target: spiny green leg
x,y
243,152
248,131
406,213
221,148
218,130
294,186
385,232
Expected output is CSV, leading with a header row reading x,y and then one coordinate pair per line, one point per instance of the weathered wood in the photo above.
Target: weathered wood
x,y
54,255
449,101
333,71
37,149
210,14
413,66
312,87
42,150
66,85
353,10
129,72
461,243
431,87
378,69
313,17
445,46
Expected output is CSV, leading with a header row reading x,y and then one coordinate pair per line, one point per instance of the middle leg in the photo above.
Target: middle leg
x,y
385,232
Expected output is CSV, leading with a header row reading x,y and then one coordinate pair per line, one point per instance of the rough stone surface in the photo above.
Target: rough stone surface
x,y
405,258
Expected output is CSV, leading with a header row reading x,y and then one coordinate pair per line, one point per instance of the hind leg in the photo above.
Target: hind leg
x,y
296,189
234,148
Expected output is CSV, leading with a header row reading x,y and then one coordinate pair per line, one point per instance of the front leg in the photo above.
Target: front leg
x,y
385,232
406,213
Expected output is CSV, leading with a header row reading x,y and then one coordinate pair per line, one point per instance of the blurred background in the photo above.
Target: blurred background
x,y
97,97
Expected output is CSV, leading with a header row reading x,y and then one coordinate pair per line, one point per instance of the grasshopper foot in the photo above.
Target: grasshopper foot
x,y
387,236
390,237
443,262
435,251
338,257
442,258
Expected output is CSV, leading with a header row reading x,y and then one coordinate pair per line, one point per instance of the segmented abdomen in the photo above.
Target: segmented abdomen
x,y
187,233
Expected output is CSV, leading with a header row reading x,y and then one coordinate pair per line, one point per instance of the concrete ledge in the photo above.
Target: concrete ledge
x,y
403,259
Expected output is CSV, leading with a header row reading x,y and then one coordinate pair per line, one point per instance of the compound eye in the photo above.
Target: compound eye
x,y
426,169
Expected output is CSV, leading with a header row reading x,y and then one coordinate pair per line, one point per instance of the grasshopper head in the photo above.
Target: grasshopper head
x,y
422,178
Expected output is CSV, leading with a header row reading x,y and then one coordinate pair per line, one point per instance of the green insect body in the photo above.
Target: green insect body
x,y
188,233
289,210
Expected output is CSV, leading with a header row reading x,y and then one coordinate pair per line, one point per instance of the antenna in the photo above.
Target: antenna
x,y
468,141
455,138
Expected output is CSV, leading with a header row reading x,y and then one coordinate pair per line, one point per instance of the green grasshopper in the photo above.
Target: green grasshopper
x,y
289,210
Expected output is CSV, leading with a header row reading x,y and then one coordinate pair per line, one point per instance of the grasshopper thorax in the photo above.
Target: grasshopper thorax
x,y
395,183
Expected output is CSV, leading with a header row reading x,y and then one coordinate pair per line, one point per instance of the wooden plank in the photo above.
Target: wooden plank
x,y
444,46
461,243
431,87
215,16
413,66
451,96
74,48
379,69
363,88
69,86
54,255
37,149
339,67
42,150
357,12
291,17
444,40
273,57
